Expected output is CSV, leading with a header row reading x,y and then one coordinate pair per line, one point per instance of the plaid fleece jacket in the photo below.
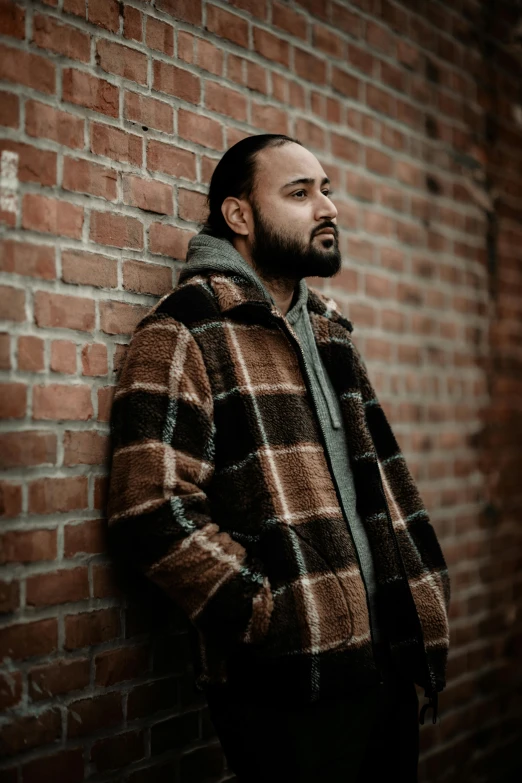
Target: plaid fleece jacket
x,y
221,494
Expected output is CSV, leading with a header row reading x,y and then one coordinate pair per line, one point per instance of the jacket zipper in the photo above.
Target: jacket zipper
x,y
334,481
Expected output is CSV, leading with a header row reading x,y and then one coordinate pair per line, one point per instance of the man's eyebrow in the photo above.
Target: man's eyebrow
x,y
306,181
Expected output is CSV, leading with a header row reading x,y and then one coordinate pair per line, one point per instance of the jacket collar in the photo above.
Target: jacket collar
x,y
233,292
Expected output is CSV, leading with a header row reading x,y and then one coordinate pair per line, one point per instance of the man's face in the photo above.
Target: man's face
x,y
294,221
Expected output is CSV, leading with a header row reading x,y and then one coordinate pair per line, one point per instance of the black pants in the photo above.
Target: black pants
x,y
348,741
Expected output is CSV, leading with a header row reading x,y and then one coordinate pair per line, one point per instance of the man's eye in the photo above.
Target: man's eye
x,y
300,192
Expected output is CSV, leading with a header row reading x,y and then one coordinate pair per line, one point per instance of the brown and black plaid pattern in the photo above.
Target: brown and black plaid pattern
x,y
222,494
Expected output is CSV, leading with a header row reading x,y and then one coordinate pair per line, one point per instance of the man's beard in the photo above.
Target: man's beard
x,y
276,255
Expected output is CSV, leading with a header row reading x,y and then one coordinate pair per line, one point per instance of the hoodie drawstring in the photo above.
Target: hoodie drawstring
x,y
433,704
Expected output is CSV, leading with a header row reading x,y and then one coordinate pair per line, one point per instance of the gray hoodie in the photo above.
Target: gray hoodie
x,y
207,253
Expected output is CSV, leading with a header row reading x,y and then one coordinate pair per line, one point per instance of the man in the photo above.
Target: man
x,y
257,481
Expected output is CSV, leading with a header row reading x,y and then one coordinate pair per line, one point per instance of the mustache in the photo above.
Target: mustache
x,y
327,224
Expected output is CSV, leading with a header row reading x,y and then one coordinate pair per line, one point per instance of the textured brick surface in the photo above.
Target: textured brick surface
x,y
117,113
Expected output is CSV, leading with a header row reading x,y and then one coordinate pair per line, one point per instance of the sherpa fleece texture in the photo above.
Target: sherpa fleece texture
x,y
221,494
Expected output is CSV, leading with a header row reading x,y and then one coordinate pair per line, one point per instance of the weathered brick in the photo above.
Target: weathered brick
x,y
34,165
83,176
176,81
5,351
116,144
171,160
12,19
25,258
45,121
65,312
30,731
191,205
225,101
12,303
28,546
122,61
89,628
201,130
63,356
25,640
9,596
227,25
60,38
53,495
116,230
10,495
82,268
10,689
270,46
147,278
58,587
185,10
13,400
120,317
84,448
85,538
160,36
105,13
88,715
209,57
310,67
61,402
168,240
149,195
148,112
52,216
269,118
94,359
83,89
28,69
27,448
58,677
132,23
31,353
105,397
9,110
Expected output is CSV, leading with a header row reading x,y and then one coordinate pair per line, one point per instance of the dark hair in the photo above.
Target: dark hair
x,y
234,175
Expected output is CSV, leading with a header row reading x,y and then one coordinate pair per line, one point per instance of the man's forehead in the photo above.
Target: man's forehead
x,y
287,163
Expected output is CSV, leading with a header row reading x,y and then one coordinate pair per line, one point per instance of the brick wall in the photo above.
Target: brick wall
x,y
113,116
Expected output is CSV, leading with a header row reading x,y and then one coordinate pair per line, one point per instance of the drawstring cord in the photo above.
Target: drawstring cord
x,y
433,704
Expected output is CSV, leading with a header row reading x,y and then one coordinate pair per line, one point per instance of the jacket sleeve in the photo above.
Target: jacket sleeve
x,y
159,512
422,541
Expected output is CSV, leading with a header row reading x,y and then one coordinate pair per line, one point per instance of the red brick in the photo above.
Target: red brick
x,y
345,83
45,121
83,268
147,278
26,448
122,61
62,402
105,13
30,731
60,676
207,167
209,57
328,42
186,47
120,317
176,81
116,230
118,751
9,110
76,7
132,23
9,596
186,10
24,258
256,77
225,101
66,765
27,546
94,359
254,7
89,91
59,587
12,303
84,448
10,689
227,25
160,36
191,205
5,351
269,118
29,69
168,240
106,582
10,499
171,160
12,19
13,400
25,640
101,485
53,495
310,134
149,195
148,111
271,47
201,130
89,715
379,162
49,215
83,176
65,312
289,20
379,100
116,144
309,67
63,356
34,165
151,697
89,628
61,38
105,396
88,537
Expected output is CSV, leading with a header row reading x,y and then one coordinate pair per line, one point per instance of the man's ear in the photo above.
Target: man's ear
x,y
235,212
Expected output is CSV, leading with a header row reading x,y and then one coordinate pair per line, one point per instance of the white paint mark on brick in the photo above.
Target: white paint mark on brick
x,y
8,181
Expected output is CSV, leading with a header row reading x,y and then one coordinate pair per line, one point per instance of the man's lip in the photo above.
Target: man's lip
x,y
326,231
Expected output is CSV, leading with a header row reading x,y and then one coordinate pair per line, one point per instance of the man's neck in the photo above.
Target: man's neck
x,y
281,289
